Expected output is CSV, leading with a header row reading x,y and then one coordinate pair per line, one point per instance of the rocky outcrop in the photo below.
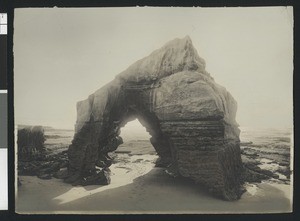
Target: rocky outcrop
x,y
190,118
33,158
30,142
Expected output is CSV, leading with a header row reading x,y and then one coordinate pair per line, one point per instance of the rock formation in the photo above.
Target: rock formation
x,y
33,159
190,118
30,142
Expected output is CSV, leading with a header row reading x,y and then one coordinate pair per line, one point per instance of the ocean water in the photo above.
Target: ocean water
x,y
268,140
265,136
278,140
58,139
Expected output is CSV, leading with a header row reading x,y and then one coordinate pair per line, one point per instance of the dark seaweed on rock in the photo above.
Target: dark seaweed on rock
x,y
30,142
253,154
33,159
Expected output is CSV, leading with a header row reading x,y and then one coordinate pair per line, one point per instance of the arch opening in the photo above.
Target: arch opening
x,y
133,130
140,134
135,157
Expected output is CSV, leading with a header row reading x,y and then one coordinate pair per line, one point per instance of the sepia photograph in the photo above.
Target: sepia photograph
x,y
153,110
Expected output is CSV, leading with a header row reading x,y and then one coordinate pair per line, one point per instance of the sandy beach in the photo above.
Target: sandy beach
x,y
138,187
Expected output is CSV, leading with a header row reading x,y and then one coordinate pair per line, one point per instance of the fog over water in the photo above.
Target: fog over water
x,y
63,55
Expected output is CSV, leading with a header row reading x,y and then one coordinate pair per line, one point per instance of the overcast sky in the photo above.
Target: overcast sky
x,y
63,55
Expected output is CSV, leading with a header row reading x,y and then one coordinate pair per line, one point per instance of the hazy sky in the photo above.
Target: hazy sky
x,y
63,55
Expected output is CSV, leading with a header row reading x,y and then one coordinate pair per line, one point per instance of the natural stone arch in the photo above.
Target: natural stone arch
x,y
101,135
191,119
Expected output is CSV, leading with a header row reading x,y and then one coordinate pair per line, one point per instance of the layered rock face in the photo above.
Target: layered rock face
x,y
190,118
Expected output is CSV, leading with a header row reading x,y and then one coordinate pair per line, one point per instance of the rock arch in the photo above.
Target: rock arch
x,y
190,118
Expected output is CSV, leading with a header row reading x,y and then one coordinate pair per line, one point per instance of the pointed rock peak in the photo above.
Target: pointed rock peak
x,y
175,56
187,38
179,42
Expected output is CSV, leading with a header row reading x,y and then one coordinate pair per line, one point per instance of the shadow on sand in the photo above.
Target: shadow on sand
x,y
154,192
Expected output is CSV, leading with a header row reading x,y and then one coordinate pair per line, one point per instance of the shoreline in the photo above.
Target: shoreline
x,y
137,187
